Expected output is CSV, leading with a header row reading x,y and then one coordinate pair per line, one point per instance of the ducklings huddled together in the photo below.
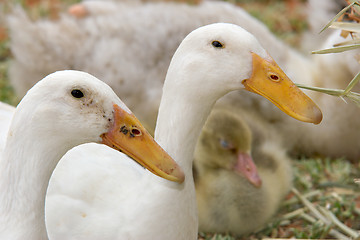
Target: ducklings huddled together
x,y
242,165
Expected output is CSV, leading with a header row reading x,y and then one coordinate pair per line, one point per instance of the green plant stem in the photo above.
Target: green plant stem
x,y
311,207
296,200
339,224
333,232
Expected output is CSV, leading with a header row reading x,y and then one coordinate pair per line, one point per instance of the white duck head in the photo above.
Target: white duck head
x,y
74,107
222,57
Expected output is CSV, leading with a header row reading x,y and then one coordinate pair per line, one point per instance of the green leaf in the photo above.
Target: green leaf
x,y
350,42
329,91
347,26
355,97
352,83
337,16
336,49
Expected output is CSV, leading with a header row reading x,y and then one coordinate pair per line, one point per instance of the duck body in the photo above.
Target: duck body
x,y
228,201
104,205
107,203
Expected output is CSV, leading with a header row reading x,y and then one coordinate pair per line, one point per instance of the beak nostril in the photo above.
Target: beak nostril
x,y
274,77
135,132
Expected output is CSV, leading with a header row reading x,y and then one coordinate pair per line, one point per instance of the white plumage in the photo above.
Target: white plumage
x,y
65,109
200,73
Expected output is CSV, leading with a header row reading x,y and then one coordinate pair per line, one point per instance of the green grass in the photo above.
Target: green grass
x,y
286,19
329,186
7,93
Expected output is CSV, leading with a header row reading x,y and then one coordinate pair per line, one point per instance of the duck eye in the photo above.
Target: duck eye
x,y
217,44
76,93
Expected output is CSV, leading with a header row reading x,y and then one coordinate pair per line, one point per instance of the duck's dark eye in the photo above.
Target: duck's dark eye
x,y
76,93
217,44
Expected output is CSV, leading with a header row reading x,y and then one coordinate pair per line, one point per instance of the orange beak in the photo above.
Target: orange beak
x,y
269,81
129,136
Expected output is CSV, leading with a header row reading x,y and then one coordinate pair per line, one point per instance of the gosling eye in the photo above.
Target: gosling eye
x,y
76,93
217,44
225,144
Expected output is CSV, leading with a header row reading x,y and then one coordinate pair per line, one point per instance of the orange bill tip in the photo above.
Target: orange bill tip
x,y
129,136
269,81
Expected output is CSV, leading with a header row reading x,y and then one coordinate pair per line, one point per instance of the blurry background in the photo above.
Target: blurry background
x,y
287,19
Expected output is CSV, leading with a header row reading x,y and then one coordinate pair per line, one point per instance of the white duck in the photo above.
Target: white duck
x,y
6,113
64,110
242,172
210,62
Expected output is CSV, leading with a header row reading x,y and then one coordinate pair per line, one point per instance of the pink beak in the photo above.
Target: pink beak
x,y
246,167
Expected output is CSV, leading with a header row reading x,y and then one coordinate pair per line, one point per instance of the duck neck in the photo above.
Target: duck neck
x,y
25,170
180,120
